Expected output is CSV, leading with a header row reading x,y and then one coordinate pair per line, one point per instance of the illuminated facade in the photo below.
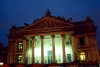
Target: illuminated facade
x,y
53,40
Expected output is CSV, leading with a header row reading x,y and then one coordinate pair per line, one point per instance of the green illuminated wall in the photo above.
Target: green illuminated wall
x,y
37,49
68,48
58,48
47,41
48,53
29,52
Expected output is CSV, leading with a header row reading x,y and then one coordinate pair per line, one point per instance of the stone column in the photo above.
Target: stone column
x,y
33,41
63,48
29,48
24,50
53,48
42,50
26,56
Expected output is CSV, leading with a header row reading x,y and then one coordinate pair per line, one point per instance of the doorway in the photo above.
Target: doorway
x,y
69,58
50,57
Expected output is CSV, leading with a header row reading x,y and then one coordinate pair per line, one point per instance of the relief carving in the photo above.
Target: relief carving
x,y
48,23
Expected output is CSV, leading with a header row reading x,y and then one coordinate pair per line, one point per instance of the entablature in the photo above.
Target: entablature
x,y
49,33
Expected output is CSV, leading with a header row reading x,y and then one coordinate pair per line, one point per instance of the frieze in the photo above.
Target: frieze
x,y
39,31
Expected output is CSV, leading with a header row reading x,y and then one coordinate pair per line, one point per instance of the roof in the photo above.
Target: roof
x,y
50,23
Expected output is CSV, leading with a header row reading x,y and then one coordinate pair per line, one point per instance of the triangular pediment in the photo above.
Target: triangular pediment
x,y
46,23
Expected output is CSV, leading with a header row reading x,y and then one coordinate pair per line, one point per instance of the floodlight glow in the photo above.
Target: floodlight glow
x,y
68,48
30,52
47,41
37,52
1,63
29,55
58,48
37,49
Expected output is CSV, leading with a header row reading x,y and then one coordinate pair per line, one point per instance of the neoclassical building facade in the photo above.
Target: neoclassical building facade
x,y
53,39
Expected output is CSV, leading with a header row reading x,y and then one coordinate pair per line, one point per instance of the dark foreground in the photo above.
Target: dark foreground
x,y
90,64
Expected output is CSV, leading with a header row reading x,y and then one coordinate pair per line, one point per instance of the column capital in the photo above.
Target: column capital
x,y
28,38
52,36
72,34
33,37
41,37
24,38
62,35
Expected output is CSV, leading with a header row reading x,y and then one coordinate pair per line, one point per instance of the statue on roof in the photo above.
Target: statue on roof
x,y
48,13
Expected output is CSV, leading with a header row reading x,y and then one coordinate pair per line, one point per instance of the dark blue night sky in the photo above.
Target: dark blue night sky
x,y
17,12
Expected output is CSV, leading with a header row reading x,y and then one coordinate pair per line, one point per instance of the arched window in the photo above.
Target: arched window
x,y
82,41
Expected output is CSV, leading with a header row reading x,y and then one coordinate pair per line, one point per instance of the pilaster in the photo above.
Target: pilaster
x,y
24,50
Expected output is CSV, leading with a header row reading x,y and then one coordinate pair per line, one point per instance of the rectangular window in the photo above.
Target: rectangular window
x,y
19,59
20,45
81,41
49,57
82,56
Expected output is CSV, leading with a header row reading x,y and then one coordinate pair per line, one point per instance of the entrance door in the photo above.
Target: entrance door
x,y
49,57
69,58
